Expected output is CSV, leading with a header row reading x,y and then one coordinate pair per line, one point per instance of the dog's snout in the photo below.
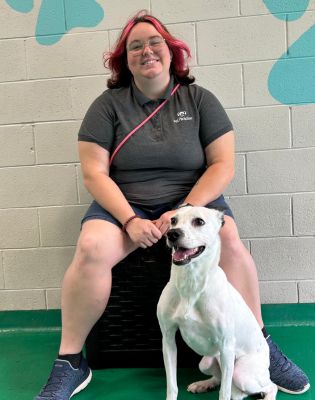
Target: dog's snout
x,y
174,234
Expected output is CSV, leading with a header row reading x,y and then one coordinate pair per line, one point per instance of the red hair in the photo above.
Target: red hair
x,y
116,60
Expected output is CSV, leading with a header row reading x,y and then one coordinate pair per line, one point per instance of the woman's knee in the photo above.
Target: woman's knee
x,y
101,243
90,248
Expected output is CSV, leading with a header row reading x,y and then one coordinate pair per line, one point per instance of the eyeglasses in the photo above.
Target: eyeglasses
x,y
137,46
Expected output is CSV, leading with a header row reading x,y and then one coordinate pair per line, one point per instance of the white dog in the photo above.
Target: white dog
x,y
211,315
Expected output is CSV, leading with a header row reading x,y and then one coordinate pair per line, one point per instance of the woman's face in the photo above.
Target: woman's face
x,y
146,61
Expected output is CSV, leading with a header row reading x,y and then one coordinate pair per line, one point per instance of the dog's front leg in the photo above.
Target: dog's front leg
x,y
227,359
170,362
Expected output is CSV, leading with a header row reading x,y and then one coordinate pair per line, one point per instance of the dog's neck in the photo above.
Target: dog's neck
x,y
191,280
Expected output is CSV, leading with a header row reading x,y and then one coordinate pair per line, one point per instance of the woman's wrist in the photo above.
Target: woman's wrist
x,y
125,225
185,205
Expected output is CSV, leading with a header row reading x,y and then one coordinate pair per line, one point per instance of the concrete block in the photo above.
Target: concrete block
x,y
84,91
262,216
284,258
51,100
14,66
186,33
238,39
117,14
1,272
60,226
36,268
74,55
11,300
14,24
84,195
33,101
261,128
256,84
23,234
304,214
53,299
179,11
278,292
281,171
307,291
13,105
56,142
255,7
16,145
37,186
224,81
303,126
238,184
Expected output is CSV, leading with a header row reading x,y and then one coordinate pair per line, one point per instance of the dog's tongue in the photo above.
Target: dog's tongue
x,y
181,253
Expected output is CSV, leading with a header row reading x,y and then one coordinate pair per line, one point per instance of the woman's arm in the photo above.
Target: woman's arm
x,y
220,160
95,168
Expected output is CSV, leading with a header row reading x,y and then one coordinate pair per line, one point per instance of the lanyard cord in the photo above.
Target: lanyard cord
x,y
139,126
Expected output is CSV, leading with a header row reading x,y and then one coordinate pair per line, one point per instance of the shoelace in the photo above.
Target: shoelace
x,y
279,358
54,382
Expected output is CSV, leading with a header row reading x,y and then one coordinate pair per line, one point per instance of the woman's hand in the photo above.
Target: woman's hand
x,y
143,232
164,222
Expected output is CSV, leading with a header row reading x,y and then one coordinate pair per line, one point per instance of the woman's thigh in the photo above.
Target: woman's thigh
x,y
101,241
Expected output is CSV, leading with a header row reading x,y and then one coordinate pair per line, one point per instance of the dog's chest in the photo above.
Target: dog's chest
x,y
197,330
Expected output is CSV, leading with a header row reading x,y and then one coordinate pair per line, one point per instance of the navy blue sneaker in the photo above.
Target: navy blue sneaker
x,y
65,381
284,373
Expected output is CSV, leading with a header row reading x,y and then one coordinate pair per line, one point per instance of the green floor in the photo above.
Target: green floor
x,y
29,347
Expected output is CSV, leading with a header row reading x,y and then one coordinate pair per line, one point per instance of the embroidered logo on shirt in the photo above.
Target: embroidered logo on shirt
x,y
182,116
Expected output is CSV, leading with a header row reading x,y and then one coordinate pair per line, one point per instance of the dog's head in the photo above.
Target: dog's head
x,y
193,231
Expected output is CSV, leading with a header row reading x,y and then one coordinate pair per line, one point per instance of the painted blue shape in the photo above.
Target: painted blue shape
x,y
285,9
57,17
51,24
83,13
23,6
292,77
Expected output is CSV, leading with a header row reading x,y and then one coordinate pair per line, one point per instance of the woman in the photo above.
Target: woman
x,y
183,154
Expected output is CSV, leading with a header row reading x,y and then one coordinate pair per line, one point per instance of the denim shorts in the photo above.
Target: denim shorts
x,y
95,211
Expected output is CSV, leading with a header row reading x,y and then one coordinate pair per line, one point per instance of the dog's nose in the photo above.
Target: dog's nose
x,y
174,234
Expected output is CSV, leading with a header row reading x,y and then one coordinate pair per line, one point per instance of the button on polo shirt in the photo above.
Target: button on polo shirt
x,y
163,160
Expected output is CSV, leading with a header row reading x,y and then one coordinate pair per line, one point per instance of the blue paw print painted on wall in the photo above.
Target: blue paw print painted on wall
x,y
57,17
292,78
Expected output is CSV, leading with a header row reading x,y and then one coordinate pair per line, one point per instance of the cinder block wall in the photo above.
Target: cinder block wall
x,y
46,89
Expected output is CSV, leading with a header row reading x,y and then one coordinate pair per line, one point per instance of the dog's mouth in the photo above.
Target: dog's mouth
x,y
182,255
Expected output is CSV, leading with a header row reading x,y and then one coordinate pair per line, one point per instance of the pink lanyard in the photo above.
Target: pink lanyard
x,y
139,126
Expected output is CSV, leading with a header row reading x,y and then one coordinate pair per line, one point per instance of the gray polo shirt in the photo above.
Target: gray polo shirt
x,y
163,160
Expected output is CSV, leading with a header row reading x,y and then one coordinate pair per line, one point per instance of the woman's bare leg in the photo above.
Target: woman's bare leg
x,y
239,266
87,282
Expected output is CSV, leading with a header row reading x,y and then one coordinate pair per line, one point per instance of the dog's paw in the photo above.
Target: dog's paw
x,y
204,386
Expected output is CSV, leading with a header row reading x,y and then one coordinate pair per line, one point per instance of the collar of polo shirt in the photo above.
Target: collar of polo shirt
x,y
142,99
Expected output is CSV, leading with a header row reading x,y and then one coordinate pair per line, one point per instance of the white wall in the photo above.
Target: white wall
x,y
46,89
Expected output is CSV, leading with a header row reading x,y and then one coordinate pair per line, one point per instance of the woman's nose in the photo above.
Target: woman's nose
x,y
147,48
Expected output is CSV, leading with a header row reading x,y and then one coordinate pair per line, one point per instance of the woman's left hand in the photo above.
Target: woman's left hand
x,y
164,222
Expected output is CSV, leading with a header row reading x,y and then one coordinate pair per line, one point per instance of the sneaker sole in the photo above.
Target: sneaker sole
x,y
83,384
305,389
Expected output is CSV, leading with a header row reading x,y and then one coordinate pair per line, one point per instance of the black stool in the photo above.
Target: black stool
x,y
128,333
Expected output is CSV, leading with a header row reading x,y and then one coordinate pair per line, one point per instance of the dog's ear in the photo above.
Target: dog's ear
x,y
221,213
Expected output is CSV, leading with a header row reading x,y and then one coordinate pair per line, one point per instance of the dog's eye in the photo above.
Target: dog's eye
x,y
173,221
198,222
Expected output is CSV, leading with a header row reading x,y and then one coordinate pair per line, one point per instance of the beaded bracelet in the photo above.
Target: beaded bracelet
x,y
124,227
